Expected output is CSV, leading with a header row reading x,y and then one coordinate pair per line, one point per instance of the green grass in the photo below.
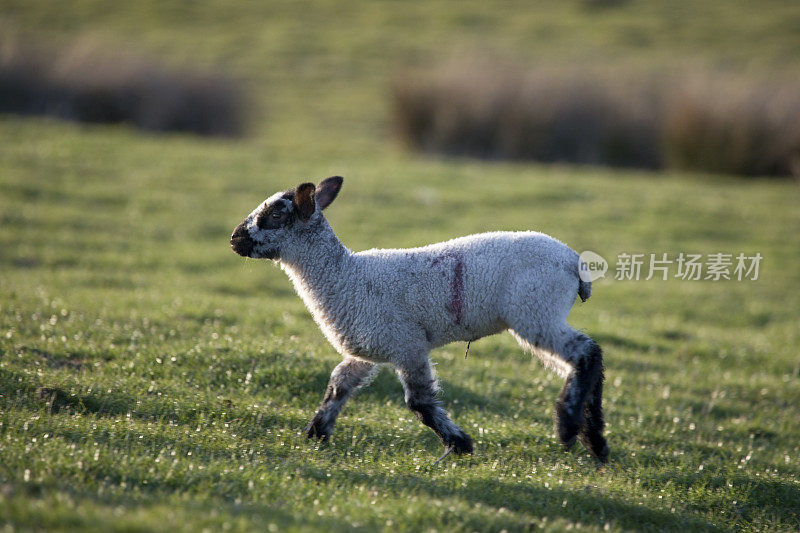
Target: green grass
x,y
180,375
151,380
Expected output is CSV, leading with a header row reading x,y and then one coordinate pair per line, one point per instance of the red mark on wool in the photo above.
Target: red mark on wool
x,y
456,282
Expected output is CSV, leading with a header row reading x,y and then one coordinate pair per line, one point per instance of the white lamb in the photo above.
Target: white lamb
x,y
394,306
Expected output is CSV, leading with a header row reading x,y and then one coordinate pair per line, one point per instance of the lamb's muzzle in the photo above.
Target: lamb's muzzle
x,y
395,306
241,242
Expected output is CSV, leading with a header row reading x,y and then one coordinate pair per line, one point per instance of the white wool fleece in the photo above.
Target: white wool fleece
x,y
380,304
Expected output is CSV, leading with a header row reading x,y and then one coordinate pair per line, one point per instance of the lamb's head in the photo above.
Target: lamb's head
x,y
283,218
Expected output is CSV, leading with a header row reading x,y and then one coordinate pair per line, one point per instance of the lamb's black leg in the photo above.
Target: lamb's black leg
x,y
346,378
578,411
420,386
568,416
591,432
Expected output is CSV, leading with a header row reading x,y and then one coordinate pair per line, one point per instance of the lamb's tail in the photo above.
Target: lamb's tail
x,y
584,289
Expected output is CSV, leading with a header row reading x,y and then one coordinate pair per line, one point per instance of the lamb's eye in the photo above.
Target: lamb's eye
x,y
271,219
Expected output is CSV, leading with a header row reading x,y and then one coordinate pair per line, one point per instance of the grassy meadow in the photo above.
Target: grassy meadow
x,y
151,380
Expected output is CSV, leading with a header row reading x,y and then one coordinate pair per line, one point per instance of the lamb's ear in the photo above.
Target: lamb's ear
x,y
327,190
304,201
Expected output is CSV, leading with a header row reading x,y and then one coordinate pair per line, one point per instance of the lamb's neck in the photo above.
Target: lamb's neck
x,y
321,267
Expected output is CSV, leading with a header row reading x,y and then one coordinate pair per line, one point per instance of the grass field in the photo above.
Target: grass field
x,y
151,380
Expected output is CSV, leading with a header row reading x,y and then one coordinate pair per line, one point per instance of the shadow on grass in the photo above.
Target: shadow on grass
x,y
774,498
19,391
586,506
210,515
57,400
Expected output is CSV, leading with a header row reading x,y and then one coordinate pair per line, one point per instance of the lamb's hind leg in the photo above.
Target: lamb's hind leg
x,y
346,378
419,382
591,432
583,393
578,410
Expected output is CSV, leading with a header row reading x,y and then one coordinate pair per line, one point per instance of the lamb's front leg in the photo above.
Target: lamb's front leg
x,y
420,386
346,378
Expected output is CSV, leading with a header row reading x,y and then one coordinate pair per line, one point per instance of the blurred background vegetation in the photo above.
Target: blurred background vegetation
x,y
704,85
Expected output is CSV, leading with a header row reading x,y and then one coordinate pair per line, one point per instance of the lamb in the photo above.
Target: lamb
x,y
394,306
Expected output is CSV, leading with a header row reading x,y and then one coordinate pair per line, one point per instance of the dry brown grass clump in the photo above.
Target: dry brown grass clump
x,y
542,114
734,127
86,83
589,117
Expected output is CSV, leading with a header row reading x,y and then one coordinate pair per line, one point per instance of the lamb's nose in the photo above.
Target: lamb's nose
x,y
239,233
241,243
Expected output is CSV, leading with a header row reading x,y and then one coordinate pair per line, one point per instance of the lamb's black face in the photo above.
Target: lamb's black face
x,y
260,234
277,224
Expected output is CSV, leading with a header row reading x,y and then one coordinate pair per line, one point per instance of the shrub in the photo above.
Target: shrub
x,y
589,117
544,115
721,125
84,83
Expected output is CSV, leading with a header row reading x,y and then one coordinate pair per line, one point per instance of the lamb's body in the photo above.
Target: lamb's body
x,y
394,306
459,290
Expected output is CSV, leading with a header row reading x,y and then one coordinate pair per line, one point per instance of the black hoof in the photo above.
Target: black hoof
x,y
567,443
460,443
317,429
597,446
